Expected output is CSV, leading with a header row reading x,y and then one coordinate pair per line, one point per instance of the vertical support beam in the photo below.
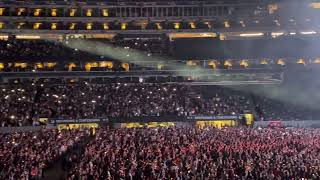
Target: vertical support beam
x,y
192,12
167,11
172,11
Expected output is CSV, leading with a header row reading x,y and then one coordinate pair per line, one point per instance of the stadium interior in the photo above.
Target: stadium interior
x,y
158,89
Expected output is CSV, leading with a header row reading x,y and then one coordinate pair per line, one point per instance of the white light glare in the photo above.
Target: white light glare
x,y
275,34
308,32
251,35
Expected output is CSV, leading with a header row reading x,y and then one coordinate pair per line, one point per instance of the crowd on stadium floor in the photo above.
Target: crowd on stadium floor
x,y
26,155
190,153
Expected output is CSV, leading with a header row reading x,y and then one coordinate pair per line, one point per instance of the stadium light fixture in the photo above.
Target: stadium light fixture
x,y
159,27
20,11
226,24
37,12
36,26
192,25
72,12
105,26
123,26
20,25
301,61
1,11
105,12
53,26
251,35
72,26
208,24
176,25
53,12
89,26
89,12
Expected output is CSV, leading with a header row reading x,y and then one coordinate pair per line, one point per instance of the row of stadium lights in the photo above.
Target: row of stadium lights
x,y
109,64
105,12
54,12
105,26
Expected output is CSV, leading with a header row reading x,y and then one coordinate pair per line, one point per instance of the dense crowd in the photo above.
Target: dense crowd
x,y
16,105
58,50
190,153
127,100
25,105
27,155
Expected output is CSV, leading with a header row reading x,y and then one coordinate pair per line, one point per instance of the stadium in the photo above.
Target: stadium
x,y
159,89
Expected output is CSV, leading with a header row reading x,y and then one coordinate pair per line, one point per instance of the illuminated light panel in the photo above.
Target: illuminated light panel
x,y
176,25
36,25
72,26
158,25
281,62
123,26
37,12
191,35
4,37
20,11
251,35
89,26
53,26
105,26
27,37
264,62
1,11
301,61
208,24
192,25
308,32
317,61
292,33
72,12
244,63
53,12
213,64
1,25
276,34
105,12
89,12
20,25
315,5
226,24
227,63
